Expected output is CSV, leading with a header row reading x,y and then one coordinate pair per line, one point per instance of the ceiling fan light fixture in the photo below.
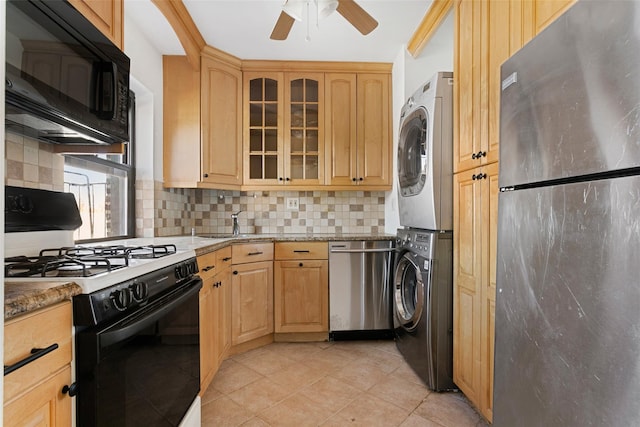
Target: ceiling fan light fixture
x,y
294,8
326,7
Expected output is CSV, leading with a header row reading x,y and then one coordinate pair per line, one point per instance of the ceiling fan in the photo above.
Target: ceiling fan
x,y
349,9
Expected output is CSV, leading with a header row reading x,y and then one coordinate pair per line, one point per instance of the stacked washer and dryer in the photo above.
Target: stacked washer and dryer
x,y
423,277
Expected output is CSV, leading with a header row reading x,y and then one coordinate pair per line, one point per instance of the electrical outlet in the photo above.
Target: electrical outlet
x,y
292,203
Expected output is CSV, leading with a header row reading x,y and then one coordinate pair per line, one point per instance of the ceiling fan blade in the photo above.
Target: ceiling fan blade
x,y
282,27
357,16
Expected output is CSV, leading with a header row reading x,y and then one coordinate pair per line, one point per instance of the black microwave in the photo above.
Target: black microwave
x,y
66,82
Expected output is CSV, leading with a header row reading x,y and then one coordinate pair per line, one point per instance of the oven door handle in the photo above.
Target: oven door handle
x,y
149,314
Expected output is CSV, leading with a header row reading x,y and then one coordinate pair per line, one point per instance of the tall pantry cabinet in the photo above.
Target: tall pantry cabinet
x,y
486,34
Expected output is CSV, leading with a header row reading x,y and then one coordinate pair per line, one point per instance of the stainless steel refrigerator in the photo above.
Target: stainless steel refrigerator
x,y
567,323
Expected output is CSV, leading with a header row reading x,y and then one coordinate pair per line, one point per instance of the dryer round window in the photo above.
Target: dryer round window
x,y
412,173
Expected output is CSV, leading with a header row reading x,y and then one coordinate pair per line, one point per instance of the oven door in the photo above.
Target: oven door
x,y
145,368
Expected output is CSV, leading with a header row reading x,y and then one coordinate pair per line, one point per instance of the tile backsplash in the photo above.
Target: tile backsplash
x,y
32,164
177,211
171,211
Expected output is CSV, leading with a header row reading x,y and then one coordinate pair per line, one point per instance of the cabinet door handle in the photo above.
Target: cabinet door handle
x,y
36,353
254,253
227,258
72,389
208,267
301,251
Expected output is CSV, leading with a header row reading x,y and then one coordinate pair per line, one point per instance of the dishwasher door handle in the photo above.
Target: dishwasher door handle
x,y
360,251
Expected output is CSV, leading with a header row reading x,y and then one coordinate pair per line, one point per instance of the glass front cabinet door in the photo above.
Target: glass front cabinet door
x,y
283,129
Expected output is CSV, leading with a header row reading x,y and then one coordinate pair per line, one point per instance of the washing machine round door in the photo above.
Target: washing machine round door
x,y
413,147
408,290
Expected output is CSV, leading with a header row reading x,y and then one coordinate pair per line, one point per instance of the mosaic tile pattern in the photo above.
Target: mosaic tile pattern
x,y
32,164
176,211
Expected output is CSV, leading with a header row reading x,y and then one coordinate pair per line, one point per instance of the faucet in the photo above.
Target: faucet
x,y
236,227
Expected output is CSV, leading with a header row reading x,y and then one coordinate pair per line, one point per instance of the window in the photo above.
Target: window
x,y
104,187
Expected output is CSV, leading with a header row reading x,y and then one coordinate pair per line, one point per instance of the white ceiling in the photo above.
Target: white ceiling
x,y
242,28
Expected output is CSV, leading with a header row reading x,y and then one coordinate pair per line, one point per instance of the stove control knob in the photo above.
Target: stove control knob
x,y
139,291
192,267
181,271
121,298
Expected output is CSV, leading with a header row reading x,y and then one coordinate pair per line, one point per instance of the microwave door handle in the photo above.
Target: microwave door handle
x,y
104,68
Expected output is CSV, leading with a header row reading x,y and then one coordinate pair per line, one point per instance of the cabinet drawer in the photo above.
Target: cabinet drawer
x,y
301,250
252,252
38,330
207,265
223,258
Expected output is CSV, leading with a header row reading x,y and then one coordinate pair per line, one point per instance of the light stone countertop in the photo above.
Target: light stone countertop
x,y
24,297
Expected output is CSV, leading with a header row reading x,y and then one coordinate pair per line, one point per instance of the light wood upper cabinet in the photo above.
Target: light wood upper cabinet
x,y
304,128
546,11
263,118
106,15
284,134
358,139
202,122
33,393
221,122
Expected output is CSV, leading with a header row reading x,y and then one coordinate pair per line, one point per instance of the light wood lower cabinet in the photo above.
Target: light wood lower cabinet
x,y
475,242
251,292
301,287
33,394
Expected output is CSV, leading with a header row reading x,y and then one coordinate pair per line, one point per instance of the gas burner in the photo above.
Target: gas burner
x,y
151,251
62,266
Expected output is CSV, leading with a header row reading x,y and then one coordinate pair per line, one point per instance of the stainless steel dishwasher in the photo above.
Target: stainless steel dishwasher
x,y
359,289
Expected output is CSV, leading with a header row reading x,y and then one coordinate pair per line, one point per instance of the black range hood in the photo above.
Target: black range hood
x,y
29,209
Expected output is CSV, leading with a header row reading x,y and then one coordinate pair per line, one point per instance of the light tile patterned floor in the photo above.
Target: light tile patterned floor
x,y
355,383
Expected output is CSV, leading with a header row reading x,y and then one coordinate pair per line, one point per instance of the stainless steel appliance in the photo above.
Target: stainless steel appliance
x,y
425,156
65,81
359,295
137,351
423,304
567,322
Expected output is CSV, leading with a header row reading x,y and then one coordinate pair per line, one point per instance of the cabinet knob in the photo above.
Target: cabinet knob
x,y
235,272
353,179
287,179
361,179
301,265
72,389
206,175
280,179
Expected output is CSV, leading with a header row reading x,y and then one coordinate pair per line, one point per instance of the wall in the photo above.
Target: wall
x,y
436,56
